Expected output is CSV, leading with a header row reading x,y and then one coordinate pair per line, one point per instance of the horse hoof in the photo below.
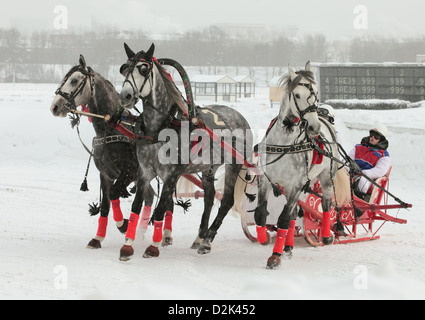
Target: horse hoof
x,y
287,253
126,253
167,241
328,240
204,249
151,252
195,245
123,228
94,244
273,262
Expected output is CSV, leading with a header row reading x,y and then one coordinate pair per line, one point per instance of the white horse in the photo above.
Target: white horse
x,y
287,160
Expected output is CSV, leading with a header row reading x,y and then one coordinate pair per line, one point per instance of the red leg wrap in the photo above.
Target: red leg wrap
x,y
289,241
157,233
116,209
261,234
326,224
102,224
146,214
132,225
280,240
168,221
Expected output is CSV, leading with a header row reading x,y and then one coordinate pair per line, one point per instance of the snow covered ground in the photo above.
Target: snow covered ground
x,y
45,225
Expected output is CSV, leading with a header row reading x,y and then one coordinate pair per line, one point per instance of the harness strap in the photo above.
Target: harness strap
x,y
295,148
110,139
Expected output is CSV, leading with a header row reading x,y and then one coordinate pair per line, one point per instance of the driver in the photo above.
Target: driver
x,y
372,157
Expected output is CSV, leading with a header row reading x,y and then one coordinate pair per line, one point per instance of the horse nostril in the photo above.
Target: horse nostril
x,y
312,129
55,109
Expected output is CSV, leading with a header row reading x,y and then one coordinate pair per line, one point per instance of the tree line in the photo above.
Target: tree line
x,y
207,47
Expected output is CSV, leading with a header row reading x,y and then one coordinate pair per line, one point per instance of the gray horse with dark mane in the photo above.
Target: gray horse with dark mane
x,y
179,147
114,154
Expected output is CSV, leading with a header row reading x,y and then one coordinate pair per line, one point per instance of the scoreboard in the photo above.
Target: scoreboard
x,y
371,81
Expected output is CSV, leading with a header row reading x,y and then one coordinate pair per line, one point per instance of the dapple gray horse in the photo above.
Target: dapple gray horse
x,y
286,158
113,153
164,110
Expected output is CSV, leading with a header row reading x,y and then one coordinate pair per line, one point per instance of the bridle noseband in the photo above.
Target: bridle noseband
x,y
145,73
312,107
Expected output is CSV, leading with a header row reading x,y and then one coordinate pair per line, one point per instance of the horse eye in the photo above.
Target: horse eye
x,y
143,69
74,81
297,96
123,68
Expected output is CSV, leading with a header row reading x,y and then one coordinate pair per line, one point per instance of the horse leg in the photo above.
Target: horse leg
x,y
285,232
209,194
127,250
289,241
119,190
105,185
326,184
146,212
167,239
227,202
260,214
165,207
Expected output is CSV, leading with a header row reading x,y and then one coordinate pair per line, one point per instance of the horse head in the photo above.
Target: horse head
x,y
138,76
75,89
303,98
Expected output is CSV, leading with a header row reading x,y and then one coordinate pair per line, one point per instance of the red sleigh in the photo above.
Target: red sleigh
x,y
359,224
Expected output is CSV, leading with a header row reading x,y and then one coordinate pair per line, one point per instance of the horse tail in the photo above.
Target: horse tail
x,y
342,187
239,192
184,187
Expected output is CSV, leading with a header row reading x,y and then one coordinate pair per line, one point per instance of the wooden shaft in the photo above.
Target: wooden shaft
x,y
106,117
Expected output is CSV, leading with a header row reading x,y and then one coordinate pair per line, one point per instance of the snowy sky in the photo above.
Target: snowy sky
x,y
334,18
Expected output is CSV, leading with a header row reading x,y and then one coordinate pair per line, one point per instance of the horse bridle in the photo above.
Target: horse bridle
x,y
312,107
145,73
70,97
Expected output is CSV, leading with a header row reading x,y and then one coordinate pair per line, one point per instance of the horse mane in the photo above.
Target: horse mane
x,y
288,84
171,87
106,96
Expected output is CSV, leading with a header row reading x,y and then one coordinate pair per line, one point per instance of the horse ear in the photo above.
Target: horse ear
x,y
149,53
128,51
292,74
308,66
82,61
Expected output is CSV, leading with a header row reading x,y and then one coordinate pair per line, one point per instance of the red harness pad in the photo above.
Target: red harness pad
x,y
318,157
85,108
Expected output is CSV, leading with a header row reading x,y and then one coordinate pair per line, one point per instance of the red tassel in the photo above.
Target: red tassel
x,y
132,226
85,108
289,241
116,209
280,240
102,224
326,224
168,221
157,233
